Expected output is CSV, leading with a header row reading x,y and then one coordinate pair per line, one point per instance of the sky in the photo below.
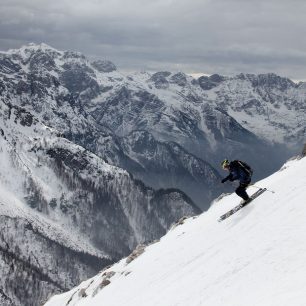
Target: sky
x,y
193,36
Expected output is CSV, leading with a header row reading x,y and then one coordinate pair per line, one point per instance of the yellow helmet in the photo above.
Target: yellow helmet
x,y
225,163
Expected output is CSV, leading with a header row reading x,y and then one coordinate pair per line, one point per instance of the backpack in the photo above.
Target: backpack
x,y
245,167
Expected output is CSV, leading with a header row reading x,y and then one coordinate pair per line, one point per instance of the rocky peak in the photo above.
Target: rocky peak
x,y
217,78
160,79
179,79
210,82
41,60
268,80
104,66
71,55
41,46
27,51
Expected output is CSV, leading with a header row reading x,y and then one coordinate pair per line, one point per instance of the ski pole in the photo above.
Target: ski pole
x,y
261,188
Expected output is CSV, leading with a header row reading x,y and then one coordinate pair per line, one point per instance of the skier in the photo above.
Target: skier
x,y
238,171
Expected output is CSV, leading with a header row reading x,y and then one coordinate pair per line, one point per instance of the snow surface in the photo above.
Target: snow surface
x,y
255,257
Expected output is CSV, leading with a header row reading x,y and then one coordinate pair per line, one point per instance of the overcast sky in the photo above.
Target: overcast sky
x,y
194,36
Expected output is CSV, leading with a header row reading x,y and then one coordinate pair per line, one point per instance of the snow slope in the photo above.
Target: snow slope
x,y
256,257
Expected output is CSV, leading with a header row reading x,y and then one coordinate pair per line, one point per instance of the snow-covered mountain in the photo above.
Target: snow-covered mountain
x,y
77,135
255,257
61,89
65,213
268,105
210,118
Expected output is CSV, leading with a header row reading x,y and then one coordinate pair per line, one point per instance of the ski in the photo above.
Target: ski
x,y
241,205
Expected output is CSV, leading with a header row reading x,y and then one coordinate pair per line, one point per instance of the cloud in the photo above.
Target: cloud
x,y
223,36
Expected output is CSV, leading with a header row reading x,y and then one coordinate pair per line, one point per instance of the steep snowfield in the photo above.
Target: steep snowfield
x,y
256,257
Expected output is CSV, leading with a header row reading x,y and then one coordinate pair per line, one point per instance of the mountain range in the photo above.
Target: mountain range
x,y
139,121
95,161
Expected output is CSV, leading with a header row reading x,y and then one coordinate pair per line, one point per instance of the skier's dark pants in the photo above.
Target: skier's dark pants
x,y
241,190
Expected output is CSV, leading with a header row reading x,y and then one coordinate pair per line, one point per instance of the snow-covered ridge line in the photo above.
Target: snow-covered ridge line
x,y
268,96
256,257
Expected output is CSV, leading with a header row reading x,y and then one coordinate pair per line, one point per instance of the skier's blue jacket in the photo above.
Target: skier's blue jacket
x,y
239,172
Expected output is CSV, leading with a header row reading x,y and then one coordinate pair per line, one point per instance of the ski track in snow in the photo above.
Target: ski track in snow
x,y
255,257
